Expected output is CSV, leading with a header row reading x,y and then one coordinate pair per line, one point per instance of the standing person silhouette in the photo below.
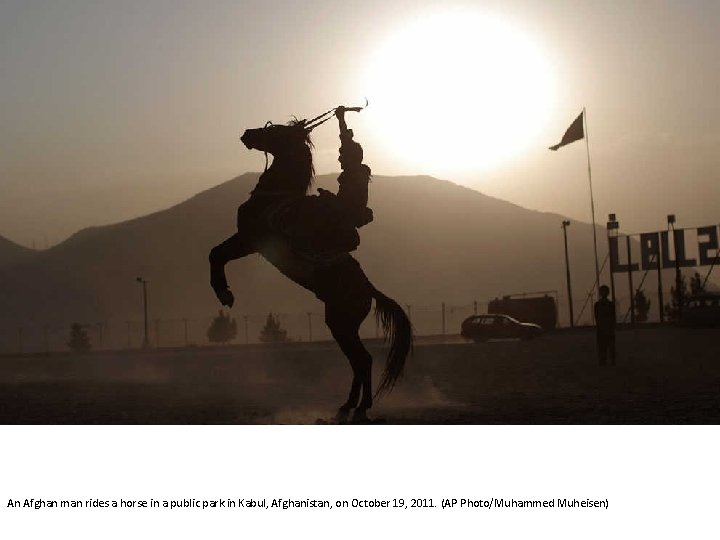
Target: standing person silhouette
x,y
605,326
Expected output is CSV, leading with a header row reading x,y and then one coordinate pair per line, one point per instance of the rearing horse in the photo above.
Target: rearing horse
x,y
305,238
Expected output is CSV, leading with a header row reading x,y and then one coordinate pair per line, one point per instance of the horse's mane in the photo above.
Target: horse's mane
x,y
292,165
304,155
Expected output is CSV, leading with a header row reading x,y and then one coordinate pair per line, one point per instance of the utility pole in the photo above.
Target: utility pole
x,y
474,307
443,318
565,225
630,281
679,292
612,232
146,340
661,308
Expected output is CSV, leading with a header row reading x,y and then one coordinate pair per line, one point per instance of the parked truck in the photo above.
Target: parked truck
x,y
541,310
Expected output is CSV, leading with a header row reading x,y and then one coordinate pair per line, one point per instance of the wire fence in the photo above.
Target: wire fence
x,y
442,318
306,326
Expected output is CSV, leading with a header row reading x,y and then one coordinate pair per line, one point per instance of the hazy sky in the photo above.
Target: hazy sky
x,y
109,110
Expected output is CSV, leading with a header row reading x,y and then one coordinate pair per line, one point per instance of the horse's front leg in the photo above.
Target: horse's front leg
x,y
231,249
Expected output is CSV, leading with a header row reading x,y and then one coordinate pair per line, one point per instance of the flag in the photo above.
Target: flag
x,y
574,133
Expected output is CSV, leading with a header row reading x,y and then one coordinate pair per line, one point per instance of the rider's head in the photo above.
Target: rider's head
x,y
604,291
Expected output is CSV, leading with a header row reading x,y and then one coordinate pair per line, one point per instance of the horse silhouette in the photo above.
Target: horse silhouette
x,y
308,239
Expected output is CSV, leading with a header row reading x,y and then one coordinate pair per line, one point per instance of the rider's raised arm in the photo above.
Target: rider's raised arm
x,y
340,114
346,134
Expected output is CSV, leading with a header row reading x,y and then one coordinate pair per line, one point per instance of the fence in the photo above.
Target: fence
x,y
427,319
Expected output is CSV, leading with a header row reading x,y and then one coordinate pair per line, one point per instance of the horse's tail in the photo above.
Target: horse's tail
x,y
398,330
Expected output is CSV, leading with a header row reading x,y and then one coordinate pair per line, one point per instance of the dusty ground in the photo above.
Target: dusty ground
x,y
663,376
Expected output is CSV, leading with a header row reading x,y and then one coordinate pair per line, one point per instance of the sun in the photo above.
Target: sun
x,y
458,92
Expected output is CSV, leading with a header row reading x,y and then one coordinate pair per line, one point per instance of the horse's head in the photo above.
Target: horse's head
x,y
277,139
291,148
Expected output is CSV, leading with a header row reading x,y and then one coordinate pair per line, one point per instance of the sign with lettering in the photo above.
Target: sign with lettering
x,y
681,247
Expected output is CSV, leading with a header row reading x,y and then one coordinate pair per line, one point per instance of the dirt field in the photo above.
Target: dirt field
x,y
663,376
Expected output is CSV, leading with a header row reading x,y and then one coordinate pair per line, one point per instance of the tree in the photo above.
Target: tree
x,y
222,329
642,306
697,286
680,299
271,332
79,340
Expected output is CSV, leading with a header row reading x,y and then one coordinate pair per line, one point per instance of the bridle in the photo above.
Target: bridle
x,y
327,115
309,125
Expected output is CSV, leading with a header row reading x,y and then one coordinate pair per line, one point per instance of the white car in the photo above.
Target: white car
x,y
497,326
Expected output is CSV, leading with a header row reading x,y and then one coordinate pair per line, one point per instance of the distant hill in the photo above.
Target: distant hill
x,y
10,252
432,241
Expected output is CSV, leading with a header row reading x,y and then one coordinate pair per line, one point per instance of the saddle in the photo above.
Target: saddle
x,y
317,224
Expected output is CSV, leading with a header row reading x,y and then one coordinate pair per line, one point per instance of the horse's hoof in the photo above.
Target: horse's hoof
x,y
360,417
341,417
226,297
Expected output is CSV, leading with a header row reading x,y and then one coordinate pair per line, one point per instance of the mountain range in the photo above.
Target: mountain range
x,y
11,253
432,241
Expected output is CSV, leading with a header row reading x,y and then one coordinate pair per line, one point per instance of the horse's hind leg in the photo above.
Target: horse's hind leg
x,y
232,248
361,363
355,387
345,325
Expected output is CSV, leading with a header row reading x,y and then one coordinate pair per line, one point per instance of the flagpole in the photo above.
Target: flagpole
x,y
592,200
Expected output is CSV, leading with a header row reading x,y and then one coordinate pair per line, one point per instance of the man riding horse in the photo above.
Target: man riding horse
x,y
318,225
309,240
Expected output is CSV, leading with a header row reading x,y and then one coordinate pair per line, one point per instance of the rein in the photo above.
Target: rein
x,y
268,123
327,115
320,119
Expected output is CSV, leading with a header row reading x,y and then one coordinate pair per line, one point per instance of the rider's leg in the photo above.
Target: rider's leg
x,y
353,194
